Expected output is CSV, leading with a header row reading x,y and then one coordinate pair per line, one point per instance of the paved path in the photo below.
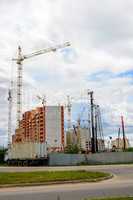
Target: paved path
x,y
121,184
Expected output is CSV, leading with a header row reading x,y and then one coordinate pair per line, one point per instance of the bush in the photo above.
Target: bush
x,y
130,149
72,149
2,155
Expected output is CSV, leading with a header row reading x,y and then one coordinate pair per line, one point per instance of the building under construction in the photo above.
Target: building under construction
x,y
40,131
44,124
118,144
82,138
88,131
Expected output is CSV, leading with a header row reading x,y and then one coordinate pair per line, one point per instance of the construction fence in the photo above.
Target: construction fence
x,y
61,159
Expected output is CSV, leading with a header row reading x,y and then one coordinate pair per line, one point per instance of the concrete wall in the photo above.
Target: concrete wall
x,y
110,157
29,150
60,159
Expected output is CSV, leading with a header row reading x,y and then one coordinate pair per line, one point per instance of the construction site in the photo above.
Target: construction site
x,y
50,129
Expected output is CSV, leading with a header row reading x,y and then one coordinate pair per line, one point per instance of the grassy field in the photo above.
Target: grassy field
x,y
112,198
46,176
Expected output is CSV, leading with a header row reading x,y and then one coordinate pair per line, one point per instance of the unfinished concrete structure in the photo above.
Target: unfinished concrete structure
x,y
39,130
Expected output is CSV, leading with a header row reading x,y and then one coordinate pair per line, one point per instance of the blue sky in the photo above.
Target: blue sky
x,y
105,74
100,57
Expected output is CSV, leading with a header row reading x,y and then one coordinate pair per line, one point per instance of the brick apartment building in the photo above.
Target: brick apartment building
x,y
42,125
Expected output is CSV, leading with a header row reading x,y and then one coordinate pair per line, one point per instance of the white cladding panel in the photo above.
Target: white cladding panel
x,y
27,151
53,126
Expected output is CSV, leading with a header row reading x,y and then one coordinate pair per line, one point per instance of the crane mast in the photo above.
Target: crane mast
x,y
9,116
19,60
69,108
10,108
19,85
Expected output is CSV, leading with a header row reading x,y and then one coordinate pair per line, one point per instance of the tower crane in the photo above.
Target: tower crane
x,y
42,99
10,107
19,60
9,116
80,116
69,108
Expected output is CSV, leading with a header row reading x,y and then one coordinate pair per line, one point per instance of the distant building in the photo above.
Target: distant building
x,y
118,143
42,125
82,137
85,139
101,144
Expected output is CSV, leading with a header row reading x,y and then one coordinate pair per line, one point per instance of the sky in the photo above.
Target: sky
x,y
100,57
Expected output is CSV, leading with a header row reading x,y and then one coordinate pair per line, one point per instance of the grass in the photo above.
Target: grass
x,y
112,198
99,164
3,164
130,149
7,178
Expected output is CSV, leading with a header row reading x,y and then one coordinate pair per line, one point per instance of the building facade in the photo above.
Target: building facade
x,y
82,137
42,125
118,143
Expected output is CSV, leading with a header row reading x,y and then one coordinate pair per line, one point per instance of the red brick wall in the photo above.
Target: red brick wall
x,y
62,126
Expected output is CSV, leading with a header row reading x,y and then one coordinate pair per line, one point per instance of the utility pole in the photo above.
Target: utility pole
x,y
123,131
93,149
96,127
119,138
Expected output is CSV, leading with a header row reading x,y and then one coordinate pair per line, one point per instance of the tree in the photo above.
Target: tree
x,y
2,155
72,148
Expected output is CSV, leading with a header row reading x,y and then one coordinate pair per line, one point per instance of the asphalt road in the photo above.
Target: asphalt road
x,y
121,184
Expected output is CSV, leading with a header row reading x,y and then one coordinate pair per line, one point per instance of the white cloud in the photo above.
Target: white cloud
x,y
101,36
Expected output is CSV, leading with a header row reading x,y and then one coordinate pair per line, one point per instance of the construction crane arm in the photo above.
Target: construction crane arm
x,y
51,49
19,60
42,51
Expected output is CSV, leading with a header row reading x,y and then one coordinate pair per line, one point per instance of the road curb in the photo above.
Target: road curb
x,y
57,182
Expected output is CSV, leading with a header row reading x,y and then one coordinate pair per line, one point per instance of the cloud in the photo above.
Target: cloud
x,y
100,57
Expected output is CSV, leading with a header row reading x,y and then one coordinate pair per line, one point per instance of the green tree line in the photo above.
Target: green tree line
x,y
2,155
